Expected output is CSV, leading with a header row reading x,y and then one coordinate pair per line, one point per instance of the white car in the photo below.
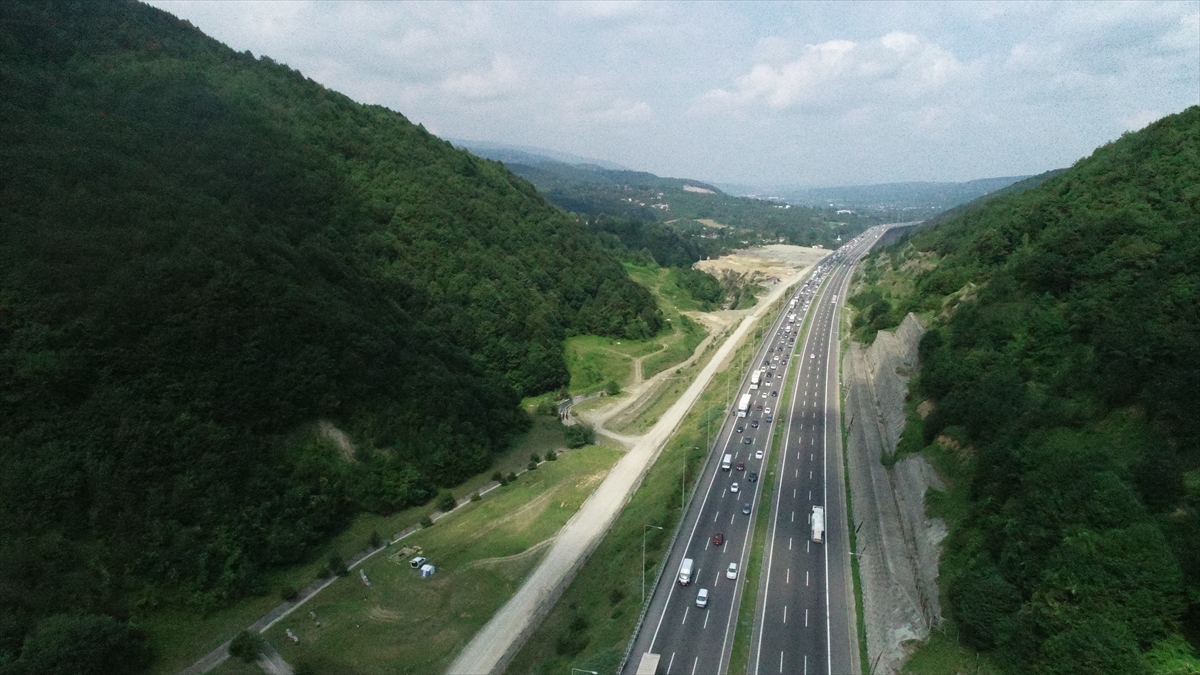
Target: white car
x,y
733,488
702,598
758,454
813,355
764,395
731,573
767,410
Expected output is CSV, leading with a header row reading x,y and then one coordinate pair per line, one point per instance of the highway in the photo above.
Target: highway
x,y
690,639
697,640
804,618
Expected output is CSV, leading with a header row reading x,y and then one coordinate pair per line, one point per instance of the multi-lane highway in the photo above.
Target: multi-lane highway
x,y
691,639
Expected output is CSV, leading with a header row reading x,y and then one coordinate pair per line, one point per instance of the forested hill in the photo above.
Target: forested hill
x,y
1061,375
201,253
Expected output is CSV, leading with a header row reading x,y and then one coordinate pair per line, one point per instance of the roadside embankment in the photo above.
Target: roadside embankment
x,y
898,546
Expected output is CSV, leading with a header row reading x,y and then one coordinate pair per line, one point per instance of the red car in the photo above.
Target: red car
x,y
718,539
741,466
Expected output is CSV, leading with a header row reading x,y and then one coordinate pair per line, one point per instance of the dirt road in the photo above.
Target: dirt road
x,y
495,644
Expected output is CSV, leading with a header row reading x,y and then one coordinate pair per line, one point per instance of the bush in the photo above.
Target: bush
x,y
579,435
502,480
246,646
374,541
612,388
426,522
446,501
575,639
535,458
475,496
512,476
533,466
498,477
336,566
288,593
615,596
551,456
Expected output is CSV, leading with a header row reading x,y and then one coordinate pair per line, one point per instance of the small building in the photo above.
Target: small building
x,y
427,571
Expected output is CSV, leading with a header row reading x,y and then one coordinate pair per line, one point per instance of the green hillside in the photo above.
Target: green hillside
x,y
1062,371
201,254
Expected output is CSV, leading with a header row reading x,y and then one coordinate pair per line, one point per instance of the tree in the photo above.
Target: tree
x,y
87,644
246,646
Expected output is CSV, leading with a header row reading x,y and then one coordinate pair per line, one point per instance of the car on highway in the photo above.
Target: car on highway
x,y
770,419
752,476
740,428
746,508
759,406
754,424
758,454
768,411
764,394
718,539
731,571
702,598
748,440
812,355
775,393
741,466
733,488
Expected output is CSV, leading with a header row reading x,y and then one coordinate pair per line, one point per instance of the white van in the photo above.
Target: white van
x,y
818,524
727,462
685,572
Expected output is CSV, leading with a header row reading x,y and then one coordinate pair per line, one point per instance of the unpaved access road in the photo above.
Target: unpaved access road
x,y
495,644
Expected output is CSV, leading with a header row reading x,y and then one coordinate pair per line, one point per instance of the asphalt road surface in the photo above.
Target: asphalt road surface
x,y
803,621
691,639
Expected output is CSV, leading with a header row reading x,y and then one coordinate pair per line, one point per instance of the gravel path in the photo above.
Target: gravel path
x,y
498,641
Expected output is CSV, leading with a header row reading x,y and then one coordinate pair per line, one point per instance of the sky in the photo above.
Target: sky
x,y
759,94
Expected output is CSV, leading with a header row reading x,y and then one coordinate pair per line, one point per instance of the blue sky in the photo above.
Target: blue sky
x,y
813,93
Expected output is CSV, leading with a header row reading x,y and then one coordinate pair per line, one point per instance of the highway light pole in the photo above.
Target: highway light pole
x,y
644,528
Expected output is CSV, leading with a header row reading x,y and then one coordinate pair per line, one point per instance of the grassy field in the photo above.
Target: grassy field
x,y
663,398
592,622
594,361
404,624
180,635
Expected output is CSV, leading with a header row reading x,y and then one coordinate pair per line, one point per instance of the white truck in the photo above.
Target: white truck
x,y
727,462
755,379
818,524
744,405
685,572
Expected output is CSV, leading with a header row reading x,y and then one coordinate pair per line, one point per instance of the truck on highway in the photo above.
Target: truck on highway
x,y
818,524
744,405
755,379
727,462
685,572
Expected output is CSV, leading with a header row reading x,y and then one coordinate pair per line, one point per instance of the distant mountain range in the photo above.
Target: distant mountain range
x,y
912,196
523,154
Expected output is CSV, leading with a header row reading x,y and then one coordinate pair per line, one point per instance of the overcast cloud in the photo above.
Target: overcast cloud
x,y
766,94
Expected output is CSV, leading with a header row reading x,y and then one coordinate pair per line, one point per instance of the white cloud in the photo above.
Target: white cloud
x,y
500,79
841,75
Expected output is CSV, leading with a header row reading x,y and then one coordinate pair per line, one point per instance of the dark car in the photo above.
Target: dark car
x,y
741,466
754,423
718,539
752,476
775,393
748,440
759,406
741,428
746,508
770,419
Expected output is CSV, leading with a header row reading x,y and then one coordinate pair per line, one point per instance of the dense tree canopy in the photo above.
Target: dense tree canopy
x,y
1064,359
201,253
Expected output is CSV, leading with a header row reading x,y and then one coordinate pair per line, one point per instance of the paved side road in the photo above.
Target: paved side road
x,y
498,641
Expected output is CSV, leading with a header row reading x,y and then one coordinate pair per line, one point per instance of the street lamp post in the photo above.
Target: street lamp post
x,y
644,528
583,671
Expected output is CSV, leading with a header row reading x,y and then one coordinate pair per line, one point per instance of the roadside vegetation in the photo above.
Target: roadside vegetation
x,y
1058,392
482,551
592,623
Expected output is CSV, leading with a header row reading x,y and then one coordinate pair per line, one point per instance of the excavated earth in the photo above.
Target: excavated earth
x,y
898,545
